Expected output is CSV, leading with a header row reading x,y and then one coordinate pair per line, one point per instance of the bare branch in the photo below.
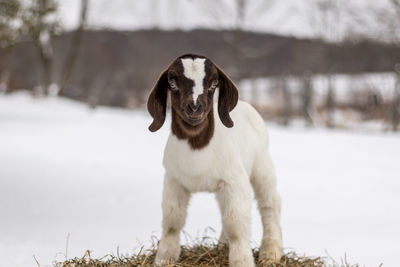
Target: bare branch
x,y
75,45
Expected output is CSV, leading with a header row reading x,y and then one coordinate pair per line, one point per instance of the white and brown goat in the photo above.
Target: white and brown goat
x,y
222,154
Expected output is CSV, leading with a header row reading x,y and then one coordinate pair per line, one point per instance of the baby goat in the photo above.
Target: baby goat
x,y
221,154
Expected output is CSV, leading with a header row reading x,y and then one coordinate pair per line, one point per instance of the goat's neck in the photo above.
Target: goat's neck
x,y
197,136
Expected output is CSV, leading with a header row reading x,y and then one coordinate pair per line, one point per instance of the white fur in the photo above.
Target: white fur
x,y
195,70
234,160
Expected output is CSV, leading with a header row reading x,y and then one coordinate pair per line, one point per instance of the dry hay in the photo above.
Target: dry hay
x,y
204,253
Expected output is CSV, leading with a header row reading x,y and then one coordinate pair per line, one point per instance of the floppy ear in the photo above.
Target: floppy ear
x,y
157,102
228,98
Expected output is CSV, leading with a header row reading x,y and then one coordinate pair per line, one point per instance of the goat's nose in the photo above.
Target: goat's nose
x,y
193,107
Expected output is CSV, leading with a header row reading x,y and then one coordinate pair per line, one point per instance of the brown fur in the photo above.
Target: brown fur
x,y
157,102
228,98
198,136
198,132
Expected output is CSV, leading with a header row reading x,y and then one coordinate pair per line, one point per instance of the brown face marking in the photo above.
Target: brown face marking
x,y
192,81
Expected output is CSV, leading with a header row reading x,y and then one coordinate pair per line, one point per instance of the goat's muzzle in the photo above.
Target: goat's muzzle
x,y
194,113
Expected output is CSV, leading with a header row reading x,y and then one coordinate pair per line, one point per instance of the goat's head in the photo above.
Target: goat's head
x,y
192,81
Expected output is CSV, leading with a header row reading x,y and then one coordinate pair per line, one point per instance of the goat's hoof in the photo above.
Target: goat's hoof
x,y
241,260
162,262
270,251
167,256
242,263
223,243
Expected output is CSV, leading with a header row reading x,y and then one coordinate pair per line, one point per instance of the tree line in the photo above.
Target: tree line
x,y
117,68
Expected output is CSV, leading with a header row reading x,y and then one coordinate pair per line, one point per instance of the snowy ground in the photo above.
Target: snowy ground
x,y
97,175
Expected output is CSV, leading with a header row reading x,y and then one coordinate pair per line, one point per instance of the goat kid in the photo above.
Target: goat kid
x,y
208,152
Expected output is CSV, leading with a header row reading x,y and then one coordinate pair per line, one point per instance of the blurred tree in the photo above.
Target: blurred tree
x,y
10,33
396,101
42,26
75,44
239,14
374,20
394,111
396,8
10,24
307,97
326,19
382,25
287,100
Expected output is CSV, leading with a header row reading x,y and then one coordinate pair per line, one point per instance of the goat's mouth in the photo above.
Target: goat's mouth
x,y
194,120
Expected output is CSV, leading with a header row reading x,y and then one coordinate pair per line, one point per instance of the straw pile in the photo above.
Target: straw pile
x,y
204,254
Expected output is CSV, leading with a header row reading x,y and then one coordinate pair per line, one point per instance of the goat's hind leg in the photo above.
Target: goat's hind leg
x,y
269,204
174,206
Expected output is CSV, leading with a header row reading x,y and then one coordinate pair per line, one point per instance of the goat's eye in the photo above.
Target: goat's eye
x,y
173,86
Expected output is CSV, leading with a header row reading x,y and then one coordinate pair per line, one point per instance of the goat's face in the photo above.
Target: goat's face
x,y
192,81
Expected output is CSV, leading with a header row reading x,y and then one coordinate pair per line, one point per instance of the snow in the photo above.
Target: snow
x,y
97,176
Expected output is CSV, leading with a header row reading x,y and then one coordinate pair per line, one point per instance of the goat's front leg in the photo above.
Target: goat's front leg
x,y
223,239
234,199
174,206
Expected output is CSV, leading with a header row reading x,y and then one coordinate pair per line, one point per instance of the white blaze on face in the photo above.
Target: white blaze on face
x,y
195,70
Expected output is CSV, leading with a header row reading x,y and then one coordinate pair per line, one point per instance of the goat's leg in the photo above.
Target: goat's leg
x,y
269,204
223,239
175,200
234,200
